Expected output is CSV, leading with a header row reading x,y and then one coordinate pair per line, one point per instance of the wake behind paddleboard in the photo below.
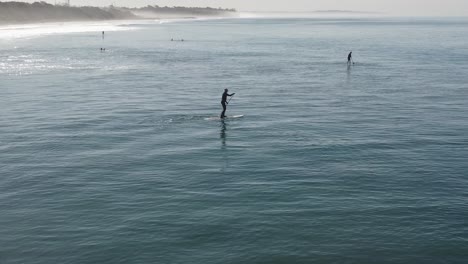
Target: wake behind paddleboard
x,y
227,117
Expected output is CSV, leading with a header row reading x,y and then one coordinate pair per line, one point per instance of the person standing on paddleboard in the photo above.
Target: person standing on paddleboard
x,y
224,101
350,57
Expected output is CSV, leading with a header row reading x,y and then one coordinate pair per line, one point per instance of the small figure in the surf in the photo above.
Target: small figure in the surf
x,y
350,58
103,49
103,35
224,102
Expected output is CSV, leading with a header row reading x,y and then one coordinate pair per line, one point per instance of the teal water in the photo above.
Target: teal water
x,y
108,157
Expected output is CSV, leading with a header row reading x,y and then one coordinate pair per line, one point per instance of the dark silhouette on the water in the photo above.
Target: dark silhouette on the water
x,y
350,57
224,102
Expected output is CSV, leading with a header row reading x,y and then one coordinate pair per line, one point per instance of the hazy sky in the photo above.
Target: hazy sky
x,y
392,7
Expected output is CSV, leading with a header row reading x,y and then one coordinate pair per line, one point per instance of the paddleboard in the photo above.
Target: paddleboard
x,y
227,117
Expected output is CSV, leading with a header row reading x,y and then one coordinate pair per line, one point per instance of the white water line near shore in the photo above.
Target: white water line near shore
x,y
32,30
9,32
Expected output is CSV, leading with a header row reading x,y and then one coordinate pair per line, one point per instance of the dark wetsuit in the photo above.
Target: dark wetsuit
x,y
349,57
223,103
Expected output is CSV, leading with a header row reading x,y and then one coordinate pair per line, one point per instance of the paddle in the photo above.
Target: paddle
x,y
230,98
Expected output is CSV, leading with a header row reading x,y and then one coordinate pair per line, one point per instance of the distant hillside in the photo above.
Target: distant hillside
x,y
20,12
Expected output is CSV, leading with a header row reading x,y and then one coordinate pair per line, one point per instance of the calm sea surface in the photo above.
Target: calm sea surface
x,y
108,157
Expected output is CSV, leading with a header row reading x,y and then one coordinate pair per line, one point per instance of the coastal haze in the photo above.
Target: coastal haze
x,y
391,7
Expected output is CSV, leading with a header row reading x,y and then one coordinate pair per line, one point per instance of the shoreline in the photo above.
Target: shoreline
x,y
159,18
46,22
170,18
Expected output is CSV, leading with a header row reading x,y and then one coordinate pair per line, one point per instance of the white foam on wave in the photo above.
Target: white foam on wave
x,y
42,29
188,19
249,15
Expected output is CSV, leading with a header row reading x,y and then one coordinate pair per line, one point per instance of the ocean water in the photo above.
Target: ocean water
x,y
107,157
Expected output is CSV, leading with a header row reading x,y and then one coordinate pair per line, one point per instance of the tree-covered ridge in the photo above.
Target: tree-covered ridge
x,y
21,12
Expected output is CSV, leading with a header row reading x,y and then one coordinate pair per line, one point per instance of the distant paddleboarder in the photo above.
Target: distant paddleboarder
x,y
350,57
224,101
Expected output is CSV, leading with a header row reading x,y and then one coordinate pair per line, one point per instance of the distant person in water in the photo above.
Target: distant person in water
x,y
224,101
350,57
